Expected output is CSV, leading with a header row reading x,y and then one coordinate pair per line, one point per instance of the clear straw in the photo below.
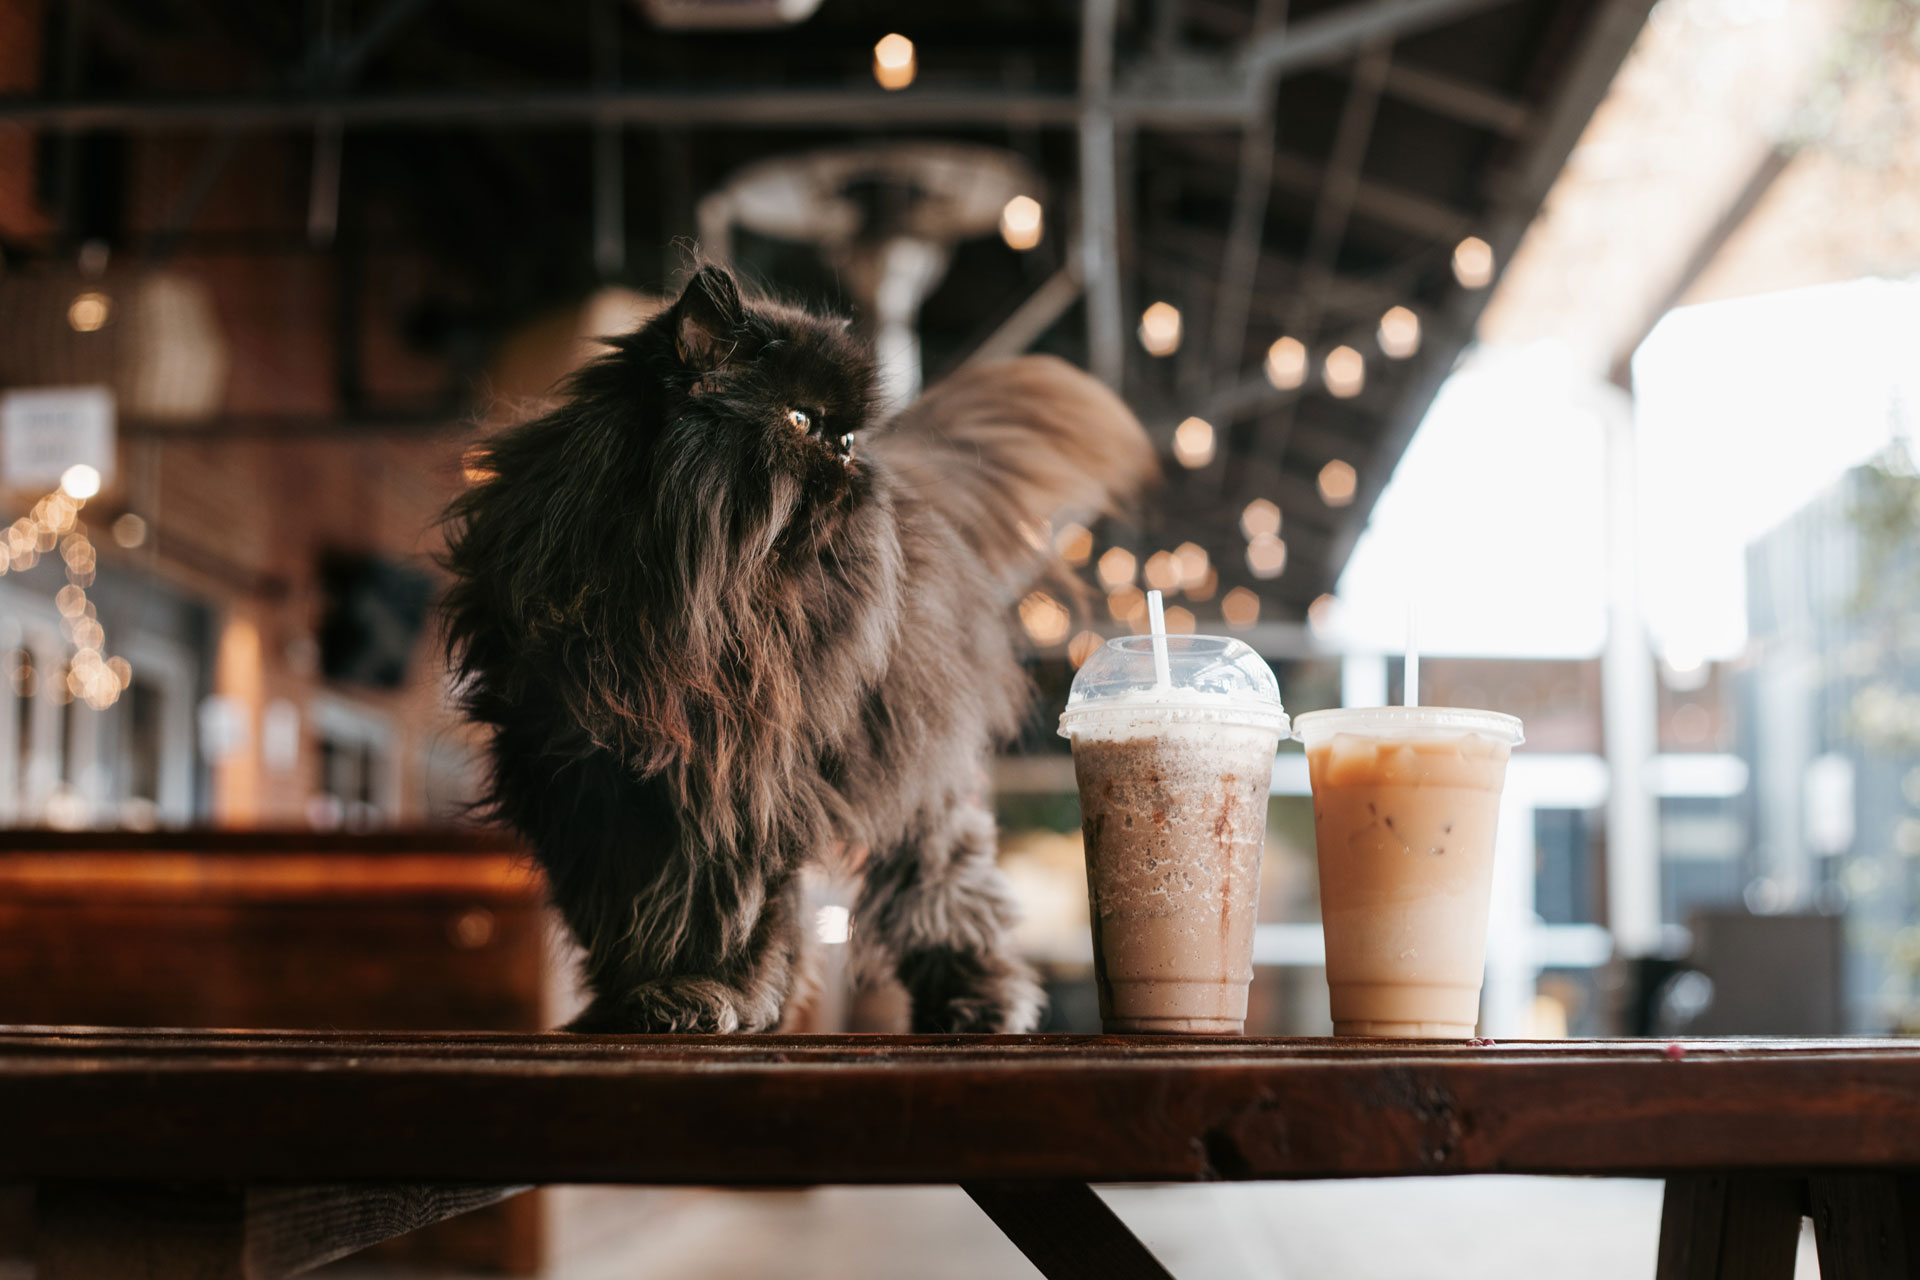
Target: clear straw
x,y
1157,620
1410,685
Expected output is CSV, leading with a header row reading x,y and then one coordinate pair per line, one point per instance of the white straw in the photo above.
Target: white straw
x,y
1157,620
1410,685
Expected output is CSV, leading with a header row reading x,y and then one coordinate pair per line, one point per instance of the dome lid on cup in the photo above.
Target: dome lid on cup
x,y
1215,679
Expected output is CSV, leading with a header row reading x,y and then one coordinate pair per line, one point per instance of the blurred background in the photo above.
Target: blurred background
x,y
1585,331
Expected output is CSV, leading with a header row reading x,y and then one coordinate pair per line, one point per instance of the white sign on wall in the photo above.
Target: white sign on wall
x,y
45,430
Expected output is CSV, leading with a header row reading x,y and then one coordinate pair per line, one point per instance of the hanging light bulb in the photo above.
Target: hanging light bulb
x,y
1021,223
894,62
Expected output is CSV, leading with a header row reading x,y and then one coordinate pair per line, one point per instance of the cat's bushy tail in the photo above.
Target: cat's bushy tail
x,y
1009,449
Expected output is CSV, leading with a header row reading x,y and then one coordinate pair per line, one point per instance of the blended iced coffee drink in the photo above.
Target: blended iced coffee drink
x,y
1173,800
1405,800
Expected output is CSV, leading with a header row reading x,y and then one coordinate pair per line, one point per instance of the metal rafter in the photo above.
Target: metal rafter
x,y
1253,183
1609,34
1334,35
1330,217
1099,195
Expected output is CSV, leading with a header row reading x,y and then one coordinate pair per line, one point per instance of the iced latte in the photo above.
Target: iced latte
x,y
1405,801
1173,798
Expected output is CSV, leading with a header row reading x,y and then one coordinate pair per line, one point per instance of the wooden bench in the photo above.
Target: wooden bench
x,y
161,1155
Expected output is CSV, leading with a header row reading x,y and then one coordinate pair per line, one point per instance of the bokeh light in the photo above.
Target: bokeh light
x,y
1266,556
1160,329
1128,605
1338,480
1045,619
80,481
1074,542
1240,608
1193,442
894,62
1473,263
1021,223
1116,568
1192,561
1346,372
89,312
1399,333
1260,516
1287,364
1082,646
1162,571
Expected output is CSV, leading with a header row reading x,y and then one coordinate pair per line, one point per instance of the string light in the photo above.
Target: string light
x,y
1473,263
1074,542
1240,608
1261,516
1266,556
1337,483
1021,223
1162,571
894,63
1320,612
80,482
1193,443
1399,333
1046,619
129,531
1082,647
1179,621
1191,559
89,312
1160,329
1116,568
1346,372
1203,589
1287,364
1128,605
54,524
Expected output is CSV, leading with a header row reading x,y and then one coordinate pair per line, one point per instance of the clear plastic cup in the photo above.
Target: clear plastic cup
x,y
1173,803
1405,802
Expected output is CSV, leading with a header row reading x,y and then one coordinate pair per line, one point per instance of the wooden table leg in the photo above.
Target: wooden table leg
x,y
1866,1225
1730,1227
1066,1231
119,1231
103,1231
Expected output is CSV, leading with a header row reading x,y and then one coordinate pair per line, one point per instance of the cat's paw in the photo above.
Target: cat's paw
x,y
668,1006
957,991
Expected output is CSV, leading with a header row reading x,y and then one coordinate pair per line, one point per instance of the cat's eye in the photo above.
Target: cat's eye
x,y
800,420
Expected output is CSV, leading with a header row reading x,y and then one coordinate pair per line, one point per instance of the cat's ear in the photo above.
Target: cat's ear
x,y
708,319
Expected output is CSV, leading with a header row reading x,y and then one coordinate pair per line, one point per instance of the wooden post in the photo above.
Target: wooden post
x,y
1730,1227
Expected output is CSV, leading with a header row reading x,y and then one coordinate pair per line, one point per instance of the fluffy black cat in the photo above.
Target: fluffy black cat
x,y
718,628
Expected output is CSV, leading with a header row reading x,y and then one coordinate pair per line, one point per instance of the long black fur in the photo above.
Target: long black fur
x,y
711,646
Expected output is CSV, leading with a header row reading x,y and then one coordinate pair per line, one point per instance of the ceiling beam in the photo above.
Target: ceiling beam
x,y
1213,93
1253,184
1459,99
1331,36
1609,33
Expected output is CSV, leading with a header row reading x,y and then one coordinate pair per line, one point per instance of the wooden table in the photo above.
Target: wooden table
x,y
235,1154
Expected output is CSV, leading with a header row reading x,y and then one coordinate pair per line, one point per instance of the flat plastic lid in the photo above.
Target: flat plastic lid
x,y
1407,722
1215,679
